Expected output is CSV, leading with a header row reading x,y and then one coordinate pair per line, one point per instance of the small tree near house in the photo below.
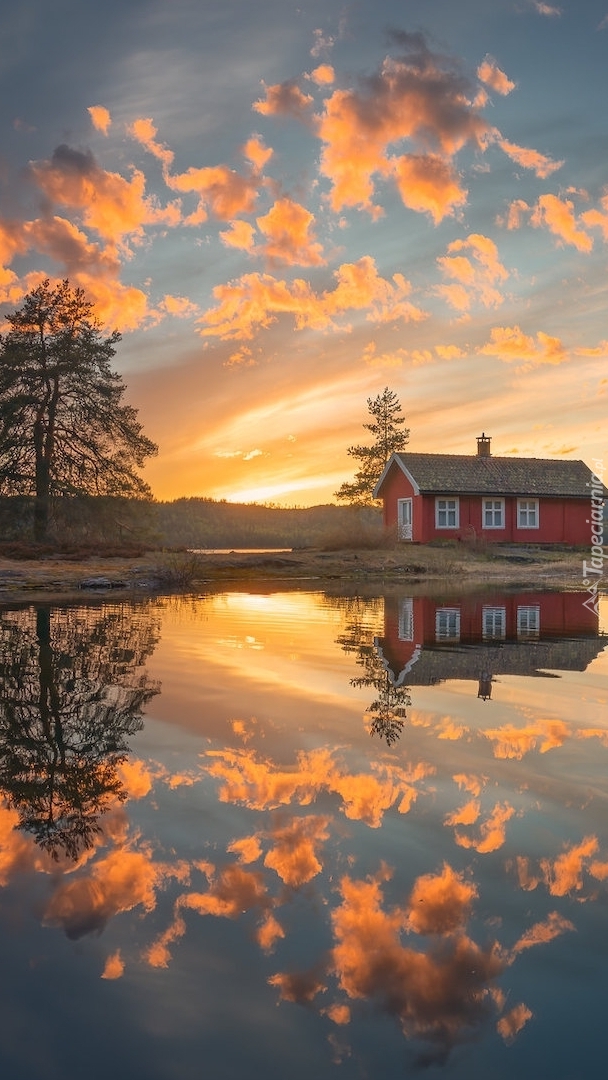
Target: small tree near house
x,y
390,436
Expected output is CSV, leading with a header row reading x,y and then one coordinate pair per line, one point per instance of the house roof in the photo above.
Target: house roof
x,y
476,475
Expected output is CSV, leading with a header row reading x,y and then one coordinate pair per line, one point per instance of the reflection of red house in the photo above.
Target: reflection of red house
x,y
426,640
457,496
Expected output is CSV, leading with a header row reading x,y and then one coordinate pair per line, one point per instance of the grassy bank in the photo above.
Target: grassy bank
x,y
27,572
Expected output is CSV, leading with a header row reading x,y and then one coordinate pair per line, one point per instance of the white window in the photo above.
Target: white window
x,y
493,623
447,624
447,514
406,619
404,519
527,513
528,620
493,514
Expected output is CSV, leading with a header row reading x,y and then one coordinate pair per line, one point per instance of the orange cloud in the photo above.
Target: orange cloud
x,y
542,165
287,227
269,932
477,273
114,966
178,306
491,832
420,98
510,343
256,152
473,784
449,352
285,99
233,891
222,192
122,880
440,903
465,815
428,184
255,301
100,118
557,215
301,987
565,874
136,778
113,207
323,75
554,925
598,219
490,74
144,132
512,742
17,852
294,854
512,1022
248,849
240,235
365,796
439,995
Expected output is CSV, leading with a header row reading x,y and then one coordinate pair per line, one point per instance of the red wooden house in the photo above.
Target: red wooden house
x,y
502,499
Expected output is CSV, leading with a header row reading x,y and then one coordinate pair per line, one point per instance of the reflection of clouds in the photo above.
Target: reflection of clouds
x,y
473,784
491,832
564,874
17,852
440,903
440,995
513,742
262,785
294,855
124,879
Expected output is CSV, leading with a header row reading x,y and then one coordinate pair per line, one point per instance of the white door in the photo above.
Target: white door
x,y
404,519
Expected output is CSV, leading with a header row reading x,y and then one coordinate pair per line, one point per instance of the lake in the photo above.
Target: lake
x,y
286,833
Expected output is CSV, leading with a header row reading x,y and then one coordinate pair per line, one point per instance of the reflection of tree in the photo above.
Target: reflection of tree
x,y
72,692
388,711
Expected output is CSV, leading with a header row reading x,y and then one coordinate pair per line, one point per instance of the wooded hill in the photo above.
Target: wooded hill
x,y
206,523
192,523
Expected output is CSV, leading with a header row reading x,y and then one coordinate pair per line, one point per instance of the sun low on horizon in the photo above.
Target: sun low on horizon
x,y
286,209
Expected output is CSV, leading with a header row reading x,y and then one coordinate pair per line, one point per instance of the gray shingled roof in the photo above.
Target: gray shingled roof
x,y
475,475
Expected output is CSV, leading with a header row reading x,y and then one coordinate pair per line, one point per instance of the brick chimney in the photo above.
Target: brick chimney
x,y
483,445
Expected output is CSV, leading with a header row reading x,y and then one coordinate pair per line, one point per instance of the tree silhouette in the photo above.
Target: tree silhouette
x,y
72,693
389,437
388,711
63,427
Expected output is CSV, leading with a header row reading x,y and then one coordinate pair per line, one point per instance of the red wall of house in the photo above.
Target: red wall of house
x,y
561,521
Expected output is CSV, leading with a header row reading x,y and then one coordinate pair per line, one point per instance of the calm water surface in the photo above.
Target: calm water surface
x,y
290,834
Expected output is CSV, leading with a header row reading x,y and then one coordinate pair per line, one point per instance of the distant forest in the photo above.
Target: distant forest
x,y
191,523
207,523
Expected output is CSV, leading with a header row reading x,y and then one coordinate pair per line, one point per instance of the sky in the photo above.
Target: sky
x,y
284,209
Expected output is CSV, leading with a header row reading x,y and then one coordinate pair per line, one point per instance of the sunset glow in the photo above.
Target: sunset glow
x,y
282,221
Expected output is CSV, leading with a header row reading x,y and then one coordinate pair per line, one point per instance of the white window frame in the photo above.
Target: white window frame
x,y
496,508
450,506
528,620
405,510
406,619
447,624
525,507
493,623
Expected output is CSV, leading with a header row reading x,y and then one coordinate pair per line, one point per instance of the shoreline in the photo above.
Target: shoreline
x,y
165,573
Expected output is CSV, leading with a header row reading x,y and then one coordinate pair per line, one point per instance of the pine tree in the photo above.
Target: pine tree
x,y
63,428
390,436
